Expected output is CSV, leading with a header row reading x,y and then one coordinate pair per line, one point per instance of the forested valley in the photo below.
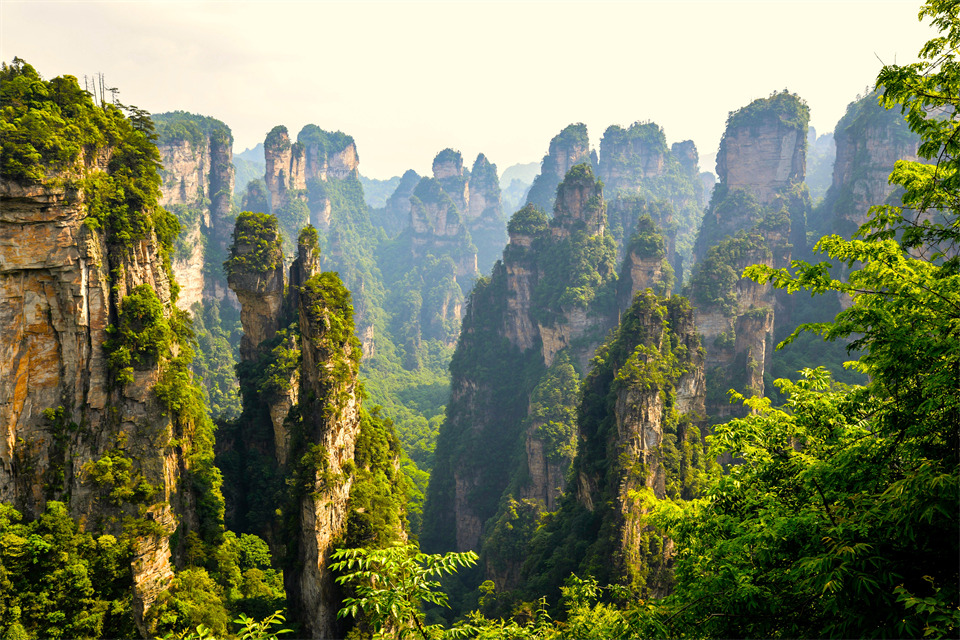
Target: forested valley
x,y
612,395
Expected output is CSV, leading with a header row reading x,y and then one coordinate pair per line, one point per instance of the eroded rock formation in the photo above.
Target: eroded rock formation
x,y
640,171
81,280
317,155
757,216
330,425
869,141
198,180
302,412
568,148
545,310
396,214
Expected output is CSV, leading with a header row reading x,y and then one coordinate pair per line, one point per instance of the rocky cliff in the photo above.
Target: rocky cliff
x,y
98,407
442,253
448,171
763,149
869,141
299,449
757,215
317,155
484,215
568,148
640,433
636,163
396,213
198,180
326,440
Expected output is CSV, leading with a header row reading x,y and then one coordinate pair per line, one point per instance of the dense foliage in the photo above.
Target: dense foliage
x,y
57,581
852,530
254,244
327,142
180,126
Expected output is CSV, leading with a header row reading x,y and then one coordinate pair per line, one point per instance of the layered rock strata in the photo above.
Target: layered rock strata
x,y
80,277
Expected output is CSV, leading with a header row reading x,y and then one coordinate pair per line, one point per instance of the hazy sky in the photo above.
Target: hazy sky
x,y
409,79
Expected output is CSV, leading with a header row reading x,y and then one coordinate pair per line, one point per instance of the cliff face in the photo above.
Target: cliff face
x,y
568,148
448,171
297,450
869,141
82,280
628,156
757,215
256,276
476,196
396,215
484,215
640,439
663,357
330,426
317,155
764,154
637,165
198,180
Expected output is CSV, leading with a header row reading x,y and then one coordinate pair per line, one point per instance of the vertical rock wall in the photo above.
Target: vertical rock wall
x,y
198,182
518,327
640,439
870,140
757,216
330,410
62,285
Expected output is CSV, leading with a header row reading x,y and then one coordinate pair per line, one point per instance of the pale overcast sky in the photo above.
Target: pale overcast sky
x,y
409,79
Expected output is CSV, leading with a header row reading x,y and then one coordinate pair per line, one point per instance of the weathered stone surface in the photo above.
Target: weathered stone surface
x,y
185,173
448,171
331,423
521,275
57,299
484,215
630,156
547,480
277,154
568,148
869,142
758,212
469,524
764,159
199,179
261,304
188,270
